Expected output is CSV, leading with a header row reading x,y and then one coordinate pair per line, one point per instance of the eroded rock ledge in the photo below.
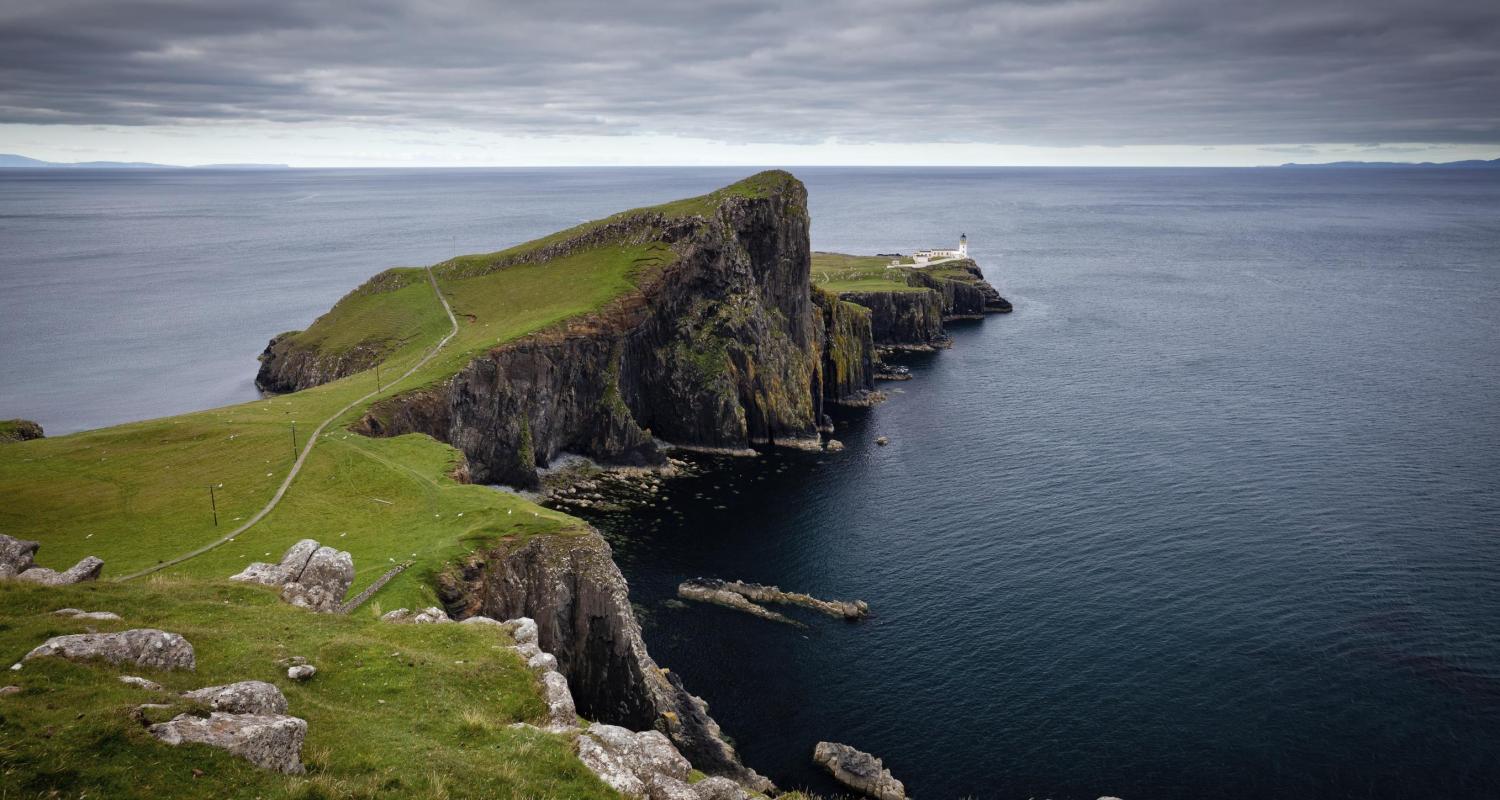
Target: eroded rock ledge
x,y
570,586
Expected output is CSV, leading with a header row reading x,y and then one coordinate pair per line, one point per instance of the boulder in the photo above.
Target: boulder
x,y
484,621
561,713
523,630
717,788
663,787
310,575
859,771
6,691
290,567
78,613
18,555
86,570
145,647
631,762
428,616
301,672
140,683
245,697
271,741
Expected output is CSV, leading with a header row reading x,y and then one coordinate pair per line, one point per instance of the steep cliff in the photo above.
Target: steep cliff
x,y
902,319
848,371
718,346
910,314
570,585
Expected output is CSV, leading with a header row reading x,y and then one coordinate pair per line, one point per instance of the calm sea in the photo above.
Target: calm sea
x,y
1214,513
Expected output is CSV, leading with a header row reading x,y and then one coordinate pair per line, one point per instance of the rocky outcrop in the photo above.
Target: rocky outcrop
x,y
92,616
859,771
19,430
718,347
270,741
145,647
571,588
310,576
18,561
244,697
636,764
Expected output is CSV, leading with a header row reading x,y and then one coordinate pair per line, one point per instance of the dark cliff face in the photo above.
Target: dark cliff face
x,y
721,349
902,319
906,319
570,585
848,369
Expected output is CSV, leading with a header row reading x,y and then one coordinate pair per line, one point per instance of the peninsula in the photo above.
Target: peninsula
x,y
359,487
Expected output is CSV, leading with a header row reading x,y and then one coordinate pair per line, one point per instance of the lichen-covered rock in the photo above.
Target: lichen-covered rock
x,y
629,762
561,713
427,616
146,647
87,569
78,613
140,683
17,555
716,788
244,697
301,672
271,741
483,620
859,771
279,574
310,575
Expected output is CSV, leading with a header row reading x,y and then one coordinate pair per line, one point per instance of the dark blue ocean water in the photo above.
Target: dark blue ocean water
x,y
1214,513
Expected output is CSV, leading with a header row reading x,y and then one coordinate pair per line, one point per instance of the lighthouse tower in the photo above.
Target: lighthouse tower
x,y
963,245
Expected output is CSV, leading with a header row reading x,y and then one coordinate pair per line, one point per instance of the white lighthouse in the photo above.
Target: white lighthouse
x,y
963,245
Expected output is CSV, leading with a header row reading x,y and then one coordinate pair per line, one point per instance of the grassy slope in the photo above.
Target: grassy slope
x,y
394,711
837,272
136,494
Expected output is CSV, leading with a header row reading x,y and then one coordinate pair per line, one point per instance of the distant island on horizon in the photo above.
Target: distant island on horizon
x,y
13,161
1472,163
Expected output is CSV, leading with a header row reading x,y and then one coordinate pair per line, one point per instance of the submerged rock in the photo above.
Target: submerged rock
x,y
146,647
713,592
859,771
245,697
271,741
761,593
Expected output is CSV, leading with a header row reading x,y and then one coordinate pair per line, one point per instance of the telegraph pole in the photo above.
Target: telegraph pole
x,y
377,376
294,440
213,504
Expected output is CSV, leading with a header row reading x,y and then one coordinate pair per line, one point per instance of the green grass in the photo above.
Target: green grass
x,y
840,273
138,494
394,710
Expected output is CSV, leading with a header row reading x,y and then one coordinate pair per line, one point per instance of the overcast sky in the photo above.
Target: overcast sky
x,y
450,82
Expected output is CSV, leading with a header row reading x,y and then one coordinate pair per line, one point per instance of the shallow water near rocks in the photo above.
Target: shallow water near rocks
x,y
1213,513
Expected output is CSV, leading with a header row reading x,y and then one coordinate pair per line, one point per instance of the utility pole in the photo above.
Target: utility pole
x,y
213,504
294,440
377,376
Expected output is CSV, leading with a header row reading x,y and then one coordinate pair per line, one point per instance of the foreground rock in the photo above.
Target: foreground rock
x,y
708,592
761,593
245,697
18,561
431,615
859,771
632,762
310,576
271,741
145,647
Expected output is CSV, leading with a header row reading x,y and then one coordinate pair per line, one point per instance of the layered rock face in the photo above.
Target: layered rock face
x,y
287,367
914,320
848,369
720,348
571,587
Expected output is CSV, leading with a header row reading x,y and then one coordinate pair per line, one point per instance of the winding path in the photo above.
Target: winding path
x,y
307,449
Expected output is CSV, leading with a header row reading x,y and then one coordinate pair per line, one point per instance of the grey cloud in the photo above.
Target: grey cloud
x,y
1050,73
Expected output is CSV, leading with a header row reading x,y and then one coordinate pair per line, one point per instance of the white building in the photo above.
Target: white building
x,y
922,258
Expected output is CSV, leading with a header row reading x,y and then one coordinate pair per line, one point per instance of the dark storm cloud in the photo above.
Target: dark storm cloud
x,y
1087,72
